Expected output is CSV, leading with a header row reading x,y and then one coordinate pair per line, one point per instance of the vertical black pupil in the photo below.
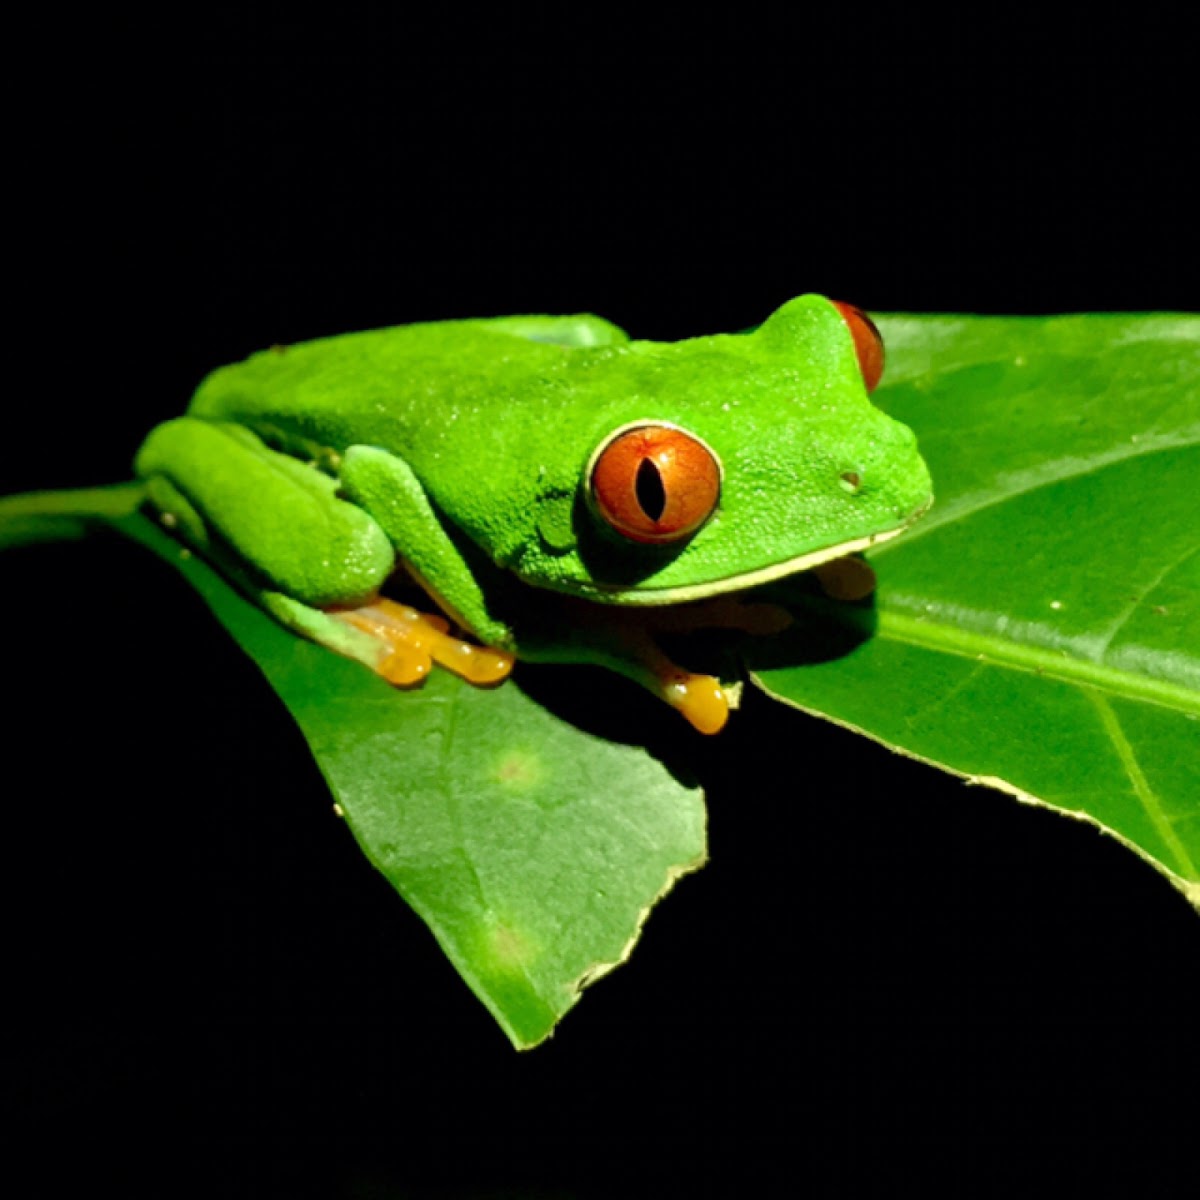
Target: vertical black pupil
x,y
648,487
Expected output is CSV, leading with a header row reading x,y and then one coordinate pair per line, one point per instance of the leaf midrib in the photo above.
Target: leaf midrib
x,y
931,633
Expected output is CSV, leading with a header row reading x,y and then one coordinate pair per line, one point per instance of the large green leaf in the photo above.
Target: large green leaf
x,y
1039,631
533,849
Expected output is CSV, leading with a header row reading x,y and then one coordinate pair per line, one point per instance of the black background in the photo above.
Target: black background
x,y
882,975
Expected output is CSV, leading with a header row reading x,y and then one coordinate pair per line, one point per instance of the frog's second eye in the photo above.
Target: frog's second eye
x,y
868,343
655,483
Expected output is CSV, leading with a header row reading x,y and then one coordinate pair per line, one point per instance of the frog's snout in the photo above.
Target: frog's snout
x,y
891,475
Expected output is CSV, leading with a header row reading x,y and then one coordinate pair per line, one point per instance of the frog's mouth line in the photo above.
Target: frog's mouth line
x,y
649,597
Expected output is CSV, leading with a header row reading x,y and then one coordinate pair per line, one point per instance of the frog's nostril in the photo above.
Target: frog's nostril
x,y
851,481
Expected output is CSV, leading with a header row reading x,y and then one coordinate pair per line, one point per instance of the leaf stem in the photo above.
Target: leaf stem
x,y
64,515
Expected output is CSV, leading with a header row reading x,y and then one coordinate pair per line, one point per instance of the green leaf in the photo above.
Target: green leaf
x,y
63,516
532,849
1039,630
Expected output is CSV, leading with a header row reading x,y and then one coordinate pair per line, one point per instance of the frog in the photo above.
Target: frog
x,y
560,491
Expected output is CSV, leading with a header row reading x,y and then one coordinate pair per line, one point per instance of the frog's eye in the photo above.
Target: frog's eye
x,y
868,342
655,483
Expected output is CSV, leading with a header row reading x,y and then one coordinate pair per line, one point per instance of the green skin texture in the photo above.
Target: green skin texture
x,y
463,448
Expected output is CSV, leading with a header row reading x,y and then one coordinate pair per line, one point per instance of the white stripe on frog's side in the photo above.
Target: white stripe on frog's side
x,y
737,583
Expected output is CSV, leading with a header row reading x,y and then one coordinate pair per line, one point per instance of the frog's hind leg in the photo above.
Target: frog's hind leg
x,y
277,529
267,515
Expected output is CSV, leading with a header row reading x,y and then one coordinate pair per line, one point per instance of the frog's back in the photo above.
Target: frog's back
x,y
385,385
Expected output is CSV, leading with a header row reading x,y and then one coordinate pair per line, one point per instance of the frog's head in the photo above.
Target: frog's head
x,y
725,462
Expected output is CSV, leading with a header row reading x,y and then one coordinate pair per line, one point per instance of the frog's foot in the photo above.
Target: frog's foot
x,y
700,699
849,578
409,642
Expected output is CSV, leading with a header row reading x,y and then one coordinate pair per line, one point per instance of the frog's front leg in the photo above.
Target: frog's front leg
x,y
545,626
407,642
631,647
385,486
277,528
627,640
552,627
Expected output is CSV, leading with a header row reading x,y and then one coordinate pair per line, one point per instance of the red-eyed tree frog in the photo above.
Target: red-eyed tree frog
x,y
557,488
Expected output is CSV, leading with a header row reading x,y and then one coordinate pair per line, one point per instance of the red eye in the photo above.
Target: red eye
x,y
868,342
655,483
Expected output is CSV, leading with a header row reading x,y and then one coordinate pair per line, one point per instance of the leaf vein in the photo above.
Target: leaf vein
x,y
1141,785
937,703
1123,618
454,807
956,640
